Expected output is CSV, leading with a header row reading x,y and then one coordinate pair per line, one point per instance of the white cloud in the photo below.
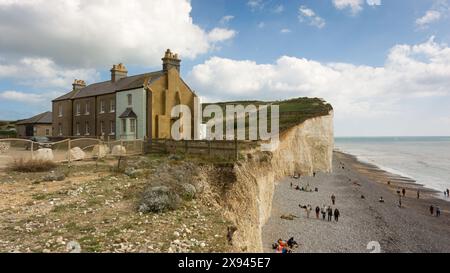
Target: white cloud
x,y
410,72
261,25
226,19
220,35
255,4
429,17
99,33
374,2
285,30
308,15
29,98
354,5
44,73
278,9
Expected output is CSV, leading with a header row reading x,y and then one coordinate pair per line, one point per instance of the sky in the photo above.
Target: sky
x,y
384,65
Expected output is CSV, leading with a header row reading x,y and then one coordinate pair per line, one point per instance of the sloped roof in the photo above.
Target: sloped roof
x,y
108,87
129,113
44,118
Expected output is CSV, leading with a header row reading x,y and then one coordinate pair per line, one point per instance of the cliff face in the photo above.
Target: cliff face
x,y
247,200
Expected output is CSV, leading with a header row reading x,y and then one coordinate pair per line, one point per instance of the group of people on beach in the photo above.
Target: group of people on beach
x,y
436,209
324,211
447,193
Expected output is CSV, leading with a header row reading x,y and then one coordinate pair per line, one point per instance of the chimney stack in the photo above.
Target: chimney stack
x,y
118,72
171,60
78,84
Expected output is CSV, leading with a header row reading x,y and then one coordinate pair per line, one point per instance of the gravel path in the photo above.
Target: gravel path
x,y
407,229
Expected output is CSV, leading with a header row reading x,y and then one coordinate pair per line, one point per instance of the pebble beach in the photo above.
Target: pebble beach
x,y
365,224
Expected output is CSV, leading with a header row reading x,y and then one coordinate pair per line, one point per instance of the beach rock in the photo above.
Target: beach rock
x,y
119,150
187,191
100,151
159,199
76,154
53,176
44,154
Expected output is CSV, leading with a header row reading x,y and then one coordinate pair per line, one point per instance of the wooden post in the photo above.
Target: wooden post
x,y
32,148
68,150
209,148
236,152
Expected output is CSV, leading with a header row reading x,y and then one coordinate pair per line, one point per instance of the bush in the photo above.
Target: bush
x,y
32,165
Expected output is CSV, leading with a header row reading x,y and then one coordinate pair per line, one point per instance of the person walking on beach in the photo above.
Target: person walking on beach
x,y
336,215
431,210
438,212
308,210
448,192
399,201
317,212
330,214
403,192
324,212
418,194
314,174
333,199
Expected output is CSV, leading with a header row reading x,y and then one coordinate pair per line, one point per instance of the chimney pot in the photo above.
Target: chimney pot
x,y
118,72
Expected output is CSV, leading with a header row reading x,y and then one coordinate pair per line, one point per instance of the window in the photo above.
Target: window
x,y
133,126
112,127
102,106
60,110
86,127
87,108
77,109
112,106
77,128
130,99
60,129
102,127
47,132
124,125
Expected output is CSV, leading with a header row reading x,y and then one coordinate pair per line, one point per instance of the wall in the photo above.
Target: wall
x,y
139,106
107,116
168,91
84,117
65,120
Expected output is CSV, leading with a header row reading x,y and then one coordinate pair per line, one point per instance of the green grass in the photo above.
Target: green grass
x,y
292,112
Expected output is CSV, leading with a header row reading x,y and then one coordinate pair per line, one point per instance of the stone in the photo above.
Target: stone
x,y
4,147
53,176
44,154
132,172
76,154
100,151
187,191
119,150
159,199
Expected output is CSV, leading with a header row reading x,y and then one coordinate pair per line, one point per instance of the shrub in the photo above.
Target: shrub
x,y
32,165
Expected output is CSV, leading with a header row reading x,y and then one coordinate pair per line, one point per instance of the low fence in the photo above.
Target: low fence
x,y
211,148
66,150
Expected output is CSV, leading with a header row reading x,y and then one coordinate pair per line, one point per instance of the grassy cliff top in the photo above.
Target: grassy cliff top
x,y
292,111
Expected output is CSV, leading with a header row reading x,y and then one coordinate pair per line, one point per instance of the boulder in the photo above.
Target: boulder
x,y
187,191
76,153
132,172
100,151
159,199
44,154
53,176
119,150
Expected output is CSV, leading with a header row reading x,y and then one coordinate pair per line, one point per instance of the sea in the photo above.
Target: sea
x,y
423,159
